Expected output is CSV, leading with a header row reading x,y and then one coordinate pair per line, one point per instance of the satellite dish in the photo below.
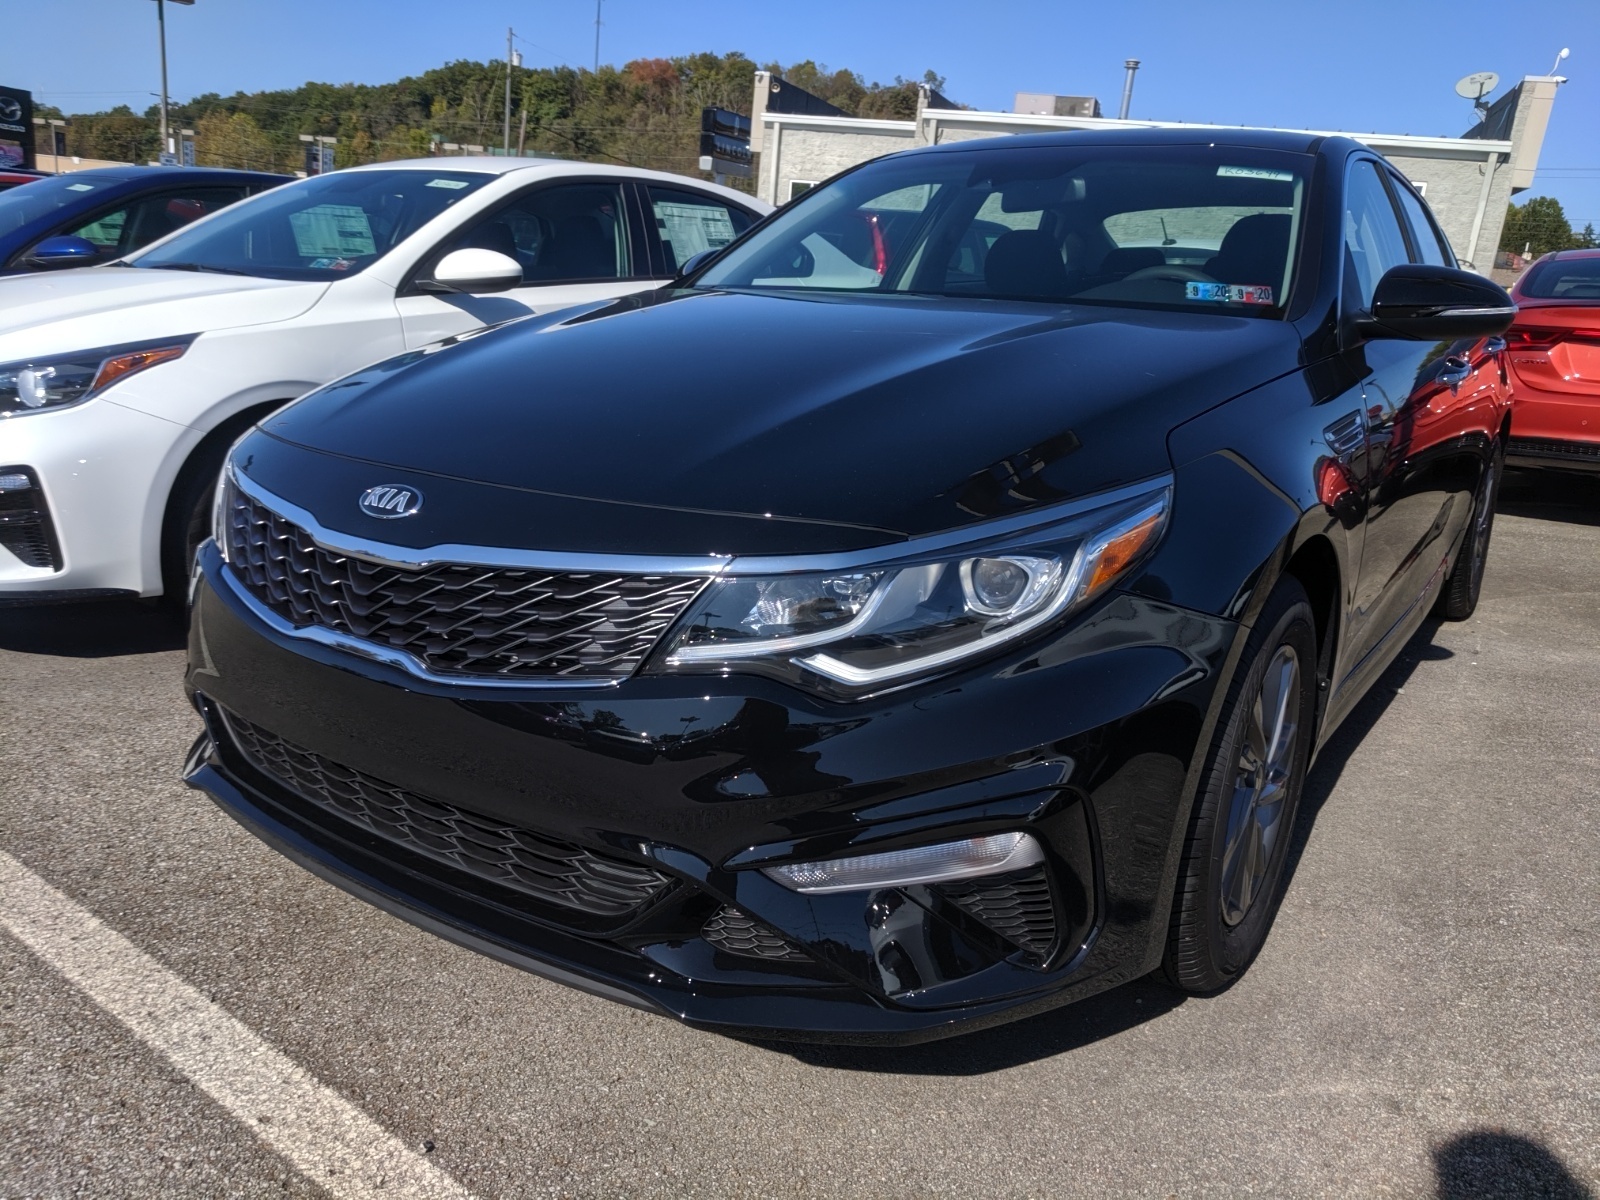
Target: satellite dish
x,y
1477,85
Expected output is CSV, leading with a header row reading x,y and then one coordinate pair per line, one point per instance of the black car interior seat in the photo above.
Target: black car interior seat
x,y
1026,263
1255,251
578,249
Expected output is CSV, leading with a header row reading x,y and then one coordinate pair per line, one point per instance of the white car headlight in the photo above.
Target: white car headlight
x,y
62,380
862,628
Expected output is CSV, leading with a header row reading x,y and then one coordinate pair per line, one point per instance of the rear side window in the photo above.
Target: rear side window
x,y
1372,239
688,223
1431,246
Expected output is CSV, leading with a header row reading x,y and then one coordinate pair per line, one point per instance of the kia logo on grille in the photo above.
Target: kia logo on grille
x,y
387,501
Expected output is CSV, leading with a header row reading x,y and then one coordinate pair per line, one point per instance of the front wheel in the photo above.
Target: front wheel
x,y
1458,598
1240,827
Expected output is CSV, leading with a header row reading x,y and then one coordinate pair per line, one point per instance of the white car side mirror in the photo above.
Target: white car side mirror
x,y
474,270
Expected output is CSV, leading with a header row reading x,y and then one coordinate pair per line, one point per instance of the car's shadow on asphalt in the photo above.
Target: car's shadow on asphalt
x,y
1491,1162
1567,496
92,629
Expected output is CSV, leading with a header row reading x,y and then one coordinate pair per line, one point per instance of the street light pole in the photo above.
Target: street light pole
x,y
597,4
1132,65
161,25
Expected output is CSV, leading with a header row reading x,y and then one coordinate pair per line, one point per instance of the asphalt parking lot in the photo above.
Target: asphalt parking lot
x,y
184,1013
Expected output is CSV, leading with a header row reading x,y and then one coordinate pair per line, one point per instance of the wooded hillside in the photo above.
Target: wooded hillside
x,y
644,114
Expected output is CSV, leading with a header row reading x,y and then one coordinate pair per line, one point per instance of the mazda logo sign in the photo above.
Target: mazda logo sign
x,y
386,501
10,110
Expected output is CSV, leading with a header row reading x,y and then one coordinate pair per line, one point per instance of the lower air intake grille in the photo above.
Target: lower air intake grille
x,y
454,618
732,932
1018,906
548,870
25,526
1550,448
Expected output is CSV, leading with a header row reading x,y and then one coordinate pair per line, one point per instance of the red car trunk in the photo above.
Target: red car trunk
x,y
1553,356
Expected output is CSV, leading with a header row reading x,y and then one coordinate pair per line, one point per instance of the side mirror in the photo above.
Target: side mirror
x,y
63,252
1426,303
474,271
694,262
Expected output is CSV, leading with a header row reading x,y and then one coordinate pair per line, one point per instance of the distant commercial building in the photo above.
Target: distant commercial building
x,y
1467,180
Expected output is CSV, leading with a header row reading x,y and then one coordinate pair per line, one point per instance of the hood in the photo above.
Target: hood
x,y
885,417
51,312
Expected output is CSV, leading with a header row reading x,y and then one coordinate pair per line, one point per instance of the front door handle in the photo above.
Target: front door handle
x,y
1454,373
1495,345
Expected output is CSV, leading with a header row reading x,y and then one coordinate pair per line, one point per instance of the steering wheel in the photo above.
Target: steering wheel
x,y
1175,271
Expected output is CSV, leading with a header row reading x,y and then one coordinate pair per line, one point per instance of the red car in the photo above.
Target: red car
x,y
11,177
1553,349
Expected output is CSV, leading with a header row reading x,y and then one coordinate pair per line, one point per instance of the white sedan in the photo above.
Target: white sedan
x,y
122,386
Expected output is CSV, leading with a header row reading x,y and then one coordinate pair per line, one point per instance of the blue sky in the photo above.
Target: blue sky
x,y
1360,65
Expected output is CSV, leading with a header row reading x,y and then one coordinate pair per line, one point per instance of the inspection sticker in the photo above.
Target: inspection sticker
x,y
1229,293
1256,173
452,184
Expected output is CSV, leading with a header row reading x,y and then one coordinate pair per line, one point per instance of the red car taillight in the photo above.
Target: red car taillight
x,y
1544,339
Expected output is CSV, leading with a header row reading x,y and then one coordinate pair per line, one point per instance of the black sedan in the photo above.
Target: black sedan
x,y
920,615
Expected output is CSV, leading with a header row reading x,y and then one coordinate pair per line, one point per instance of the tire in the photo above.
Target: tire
x,y
1458,598
1243,817
188,520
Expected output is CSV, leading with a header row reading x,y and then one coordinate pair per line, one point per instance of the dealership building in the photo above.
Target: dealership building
x,y
1467,180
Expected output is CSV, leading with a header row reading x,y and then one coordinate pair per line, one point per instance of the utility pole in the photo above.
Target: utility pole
x,y
1127,88
510,33
597,4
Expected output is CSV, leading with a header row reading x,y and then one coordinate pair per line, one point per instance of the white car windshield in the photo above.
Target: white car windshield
x,y
1197,228
327,227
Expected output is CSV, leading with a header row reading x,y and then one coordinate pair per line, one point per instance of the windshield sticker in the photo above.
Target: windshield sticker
x,y
1229,293
1256,173
452,184
332,231
80,187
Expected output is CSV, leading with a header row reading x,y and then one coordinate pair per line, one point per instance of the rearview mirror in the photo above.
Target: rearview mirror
x,y
63,252
1427,303
474,271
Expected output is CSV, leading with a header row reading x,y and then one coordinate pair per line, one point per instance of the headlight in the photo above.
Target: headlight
x,y
915,614
46,384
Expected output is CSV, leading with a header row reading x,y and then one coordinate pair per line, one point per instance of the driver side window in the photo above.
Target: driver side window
x,y
566,234
1372,239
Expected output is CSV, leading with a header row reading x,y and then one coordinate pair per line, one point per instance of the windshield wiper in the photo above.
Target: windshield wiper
x,y
189,266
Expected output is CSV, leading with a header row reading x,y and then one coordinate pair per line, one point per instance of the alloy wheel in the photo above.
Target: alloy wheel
x,y
1261,785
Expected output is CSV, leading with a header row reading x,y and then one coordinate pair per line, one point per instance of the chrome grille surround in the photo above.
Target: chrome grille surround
x,y
455,621
546,869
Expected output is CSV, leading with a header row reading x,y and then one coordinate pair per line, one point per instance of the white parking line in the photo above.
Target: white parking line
x,y
320,1133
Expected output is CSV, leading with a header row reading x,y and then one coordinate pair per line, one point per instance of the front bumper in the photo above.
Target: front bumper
x,y
103,472
1087,743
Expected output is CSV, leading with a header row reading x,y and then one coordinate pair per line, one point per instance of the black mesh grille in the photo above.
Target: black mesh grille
x,y
452,618
25,526
1550,448
551,871
1018,906
733,932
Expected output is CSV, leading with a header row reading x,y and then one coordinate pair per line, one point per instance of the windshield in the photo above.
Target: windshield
x,y
1178,227
327,227
1575,279
26,204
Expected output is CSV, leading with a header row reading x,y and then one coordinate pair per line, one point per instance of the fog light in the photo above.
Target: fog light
x,y
991,855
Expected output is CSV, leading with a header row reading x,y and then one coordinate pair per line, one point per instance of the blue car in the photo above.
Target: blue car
x,y
89,217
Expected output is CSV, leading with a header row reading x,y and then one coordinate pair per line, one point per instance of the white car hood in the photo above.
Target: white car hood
x,y
61,311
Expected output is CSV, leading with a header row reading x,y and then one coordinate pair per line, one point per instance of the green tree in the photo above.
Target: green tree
x,y
1537,226
221,140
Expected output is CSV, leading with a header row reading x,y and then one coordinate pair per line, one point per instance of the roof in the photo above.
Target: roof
x,y
1587,252
483,164
1193,135
134,172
